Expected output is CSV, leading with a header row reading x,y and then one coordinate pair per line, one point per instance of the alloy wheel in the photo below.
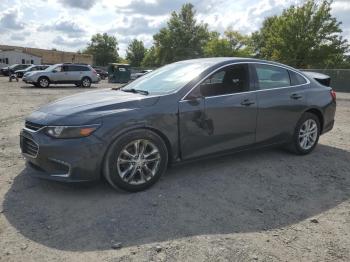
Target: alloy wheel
x,y
44,82
308,133
138,162
86,82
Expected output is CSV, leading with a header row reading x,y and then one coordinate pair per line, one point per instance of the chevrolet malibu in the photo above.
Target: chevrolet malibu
x,y
182,111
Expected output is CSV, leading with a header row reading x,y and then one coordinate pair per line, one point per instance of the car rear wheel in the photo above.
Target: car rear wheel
x,y
86,82
136,161
43,82
306,134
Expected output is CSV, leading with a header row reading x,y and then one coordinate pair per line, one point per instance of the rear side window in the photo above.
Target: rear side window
x,y
271,76
83,68
77,68
296,79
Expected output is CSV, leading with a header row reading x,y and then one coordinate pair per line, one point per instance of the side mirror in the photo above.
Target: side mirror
x,y
194,95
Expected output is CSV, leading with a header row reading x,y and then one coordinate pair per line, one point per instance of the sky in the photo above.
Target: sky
x,y
69,24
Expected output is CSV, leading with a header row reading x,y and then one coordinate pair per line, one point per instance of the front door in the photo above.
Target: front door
x,y
59,74
219,114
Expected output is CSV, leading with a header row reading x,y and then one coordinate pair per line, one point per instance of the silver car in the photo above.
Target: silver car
x,y
78,74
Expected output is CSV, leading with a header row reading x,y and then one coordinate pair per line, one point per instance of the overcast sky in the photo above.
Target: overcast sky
x,y
69,24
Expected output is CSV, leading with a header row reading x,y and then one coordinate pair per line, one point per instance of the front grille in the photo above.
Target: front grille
x,y
33,126
29,147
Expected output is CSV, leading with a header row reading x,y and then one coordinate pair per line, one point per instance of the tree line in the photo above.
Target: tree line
x,y
305,36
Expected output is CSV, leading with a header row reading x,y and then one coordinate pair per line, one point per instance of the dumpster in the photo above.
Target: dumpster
x,y
118,73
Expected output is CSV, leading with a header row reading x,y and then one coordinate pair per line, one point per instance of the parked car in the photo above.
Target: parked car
x,y
5,71
139,74
31,68
103,74
182,111
78,74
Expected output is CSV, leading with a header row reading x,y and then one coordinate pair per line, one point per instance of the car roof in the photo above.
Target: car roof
x,y
71,64
228,60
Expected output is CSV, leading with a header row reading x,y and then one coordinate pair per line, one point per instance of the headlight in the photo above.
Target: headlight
x,y
70,131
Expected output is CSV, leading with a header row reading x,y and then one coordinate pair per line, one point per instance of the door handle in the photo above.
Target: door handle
x,y
296,96
247,102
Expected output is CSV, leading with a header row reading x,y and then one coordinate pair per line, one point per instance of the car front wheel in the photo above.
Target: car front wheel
x,y
43,82
306,134
136,161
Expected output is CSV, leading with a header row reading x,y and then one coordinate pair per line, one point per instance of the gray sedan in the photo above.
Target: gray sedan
x,y
179,112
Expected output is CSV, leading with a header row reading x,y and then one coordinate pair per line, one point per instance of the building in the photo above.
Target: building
x,y
11,57
47,56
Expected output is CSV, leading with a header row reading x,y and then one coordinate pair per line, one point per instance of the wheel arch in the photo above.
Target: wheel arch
x,y
319,115
152,129
44,76
86,77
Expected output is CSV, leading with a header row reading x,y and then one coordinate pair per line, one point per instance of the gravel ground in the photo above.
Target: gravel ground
x,y
265,205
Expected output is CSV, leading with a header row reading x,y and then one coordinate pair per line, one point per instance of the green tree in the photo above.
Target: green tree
x,y
136,52
232,43
304,36
150,59
104,49
183,38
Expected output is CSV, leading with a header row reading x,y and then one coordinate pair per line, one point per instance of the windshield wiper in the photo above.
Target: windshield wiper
x,y
132,90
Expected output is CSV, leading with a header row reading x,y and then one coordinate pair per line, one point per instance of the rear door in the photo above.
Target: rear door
x,y
74,73
281,101
219,114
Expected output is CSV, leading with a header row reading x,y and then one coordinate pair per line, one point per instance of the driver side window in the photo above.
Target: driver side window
x,y
229,80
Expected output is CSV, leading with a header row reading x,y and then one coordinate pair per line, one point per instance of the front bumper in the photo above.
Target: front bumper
x,y
28,80
66,160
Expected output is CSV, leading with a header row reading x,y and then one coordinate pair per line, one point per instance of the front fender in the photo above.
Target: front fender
x,y
163,124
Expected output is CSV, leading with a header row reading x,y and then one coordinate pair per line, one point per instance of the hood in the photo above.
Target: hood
x,y
97,103
36,72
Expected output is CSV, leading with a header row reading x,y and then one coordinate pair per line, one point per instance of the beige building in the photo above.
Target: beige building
x,y
51,56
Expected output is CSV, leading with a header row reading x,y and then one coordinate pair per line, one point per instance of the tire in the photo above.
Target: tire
x,y
86,82
306,134
135,170
43,82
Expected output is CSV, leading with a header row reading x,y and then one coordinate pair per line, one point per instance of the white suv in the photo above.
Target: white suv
x,y
78,74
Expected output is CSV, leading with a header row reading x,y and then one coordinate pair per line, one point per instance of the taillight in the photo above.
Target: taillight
x,y
333,94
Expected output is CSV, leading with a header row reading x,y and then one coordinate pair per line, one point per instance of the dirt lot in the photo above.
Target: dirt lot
x,y
254,206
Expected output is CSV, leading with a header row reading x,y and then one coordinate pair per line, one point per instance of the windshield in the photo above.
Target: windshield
x,y
13,66
29,68
169,78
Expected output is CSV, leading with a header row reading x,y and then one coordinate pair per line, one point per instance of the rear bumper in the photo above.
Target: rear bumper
x,y
65,160
97,80
328,127
328,117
